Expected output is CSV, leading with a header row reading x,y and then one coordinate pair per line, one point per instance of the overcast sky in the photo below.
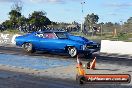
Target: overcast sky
x,y
71,10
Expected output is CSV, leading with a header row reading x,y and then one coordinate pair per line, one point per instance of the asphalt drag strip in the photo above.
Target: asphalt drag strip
x,y
30,62
18,70
22,80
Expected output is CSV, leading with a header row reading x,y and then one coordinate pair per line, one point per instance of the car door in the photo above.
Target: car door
x,y
37,37
49,41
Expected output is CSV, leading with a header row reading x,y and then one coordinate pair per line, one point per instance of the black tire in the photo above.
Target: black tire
x,y
81,80
72,51
28,47
77,78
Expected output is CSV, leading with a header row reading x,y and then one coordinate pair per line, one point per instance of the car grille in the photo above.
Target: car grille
x,y
92,46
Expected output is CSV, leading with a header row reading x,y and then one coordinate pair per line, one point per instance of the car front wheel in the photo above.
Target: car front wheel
x,y
28,47
72,51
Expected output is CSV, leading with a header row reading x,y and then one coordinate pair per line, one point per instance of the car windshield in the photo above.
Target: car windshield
x,y
61,35
50,35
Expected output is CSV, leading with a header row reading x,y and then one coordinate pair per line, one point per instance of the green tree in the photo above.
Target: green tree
x,y
129,20
22,20
39,19
17,5
91,20
7,24
14,17
128,25
109,27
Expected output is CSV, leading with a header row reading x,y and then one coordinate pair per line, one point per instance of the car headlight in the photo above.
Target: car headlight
x,y
84,47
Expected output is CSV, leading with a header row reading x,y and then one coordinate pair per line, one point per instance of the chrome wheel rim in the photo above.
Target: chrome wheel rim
x,y
72,51
28,46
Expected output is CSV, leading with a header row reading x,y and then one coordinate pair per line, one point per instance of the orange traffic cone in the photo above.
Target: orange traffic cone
x,y
93,63
80,70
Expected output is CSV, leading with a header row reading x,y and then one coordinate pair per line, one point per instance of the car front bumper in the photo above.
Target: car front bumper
x,y
88,49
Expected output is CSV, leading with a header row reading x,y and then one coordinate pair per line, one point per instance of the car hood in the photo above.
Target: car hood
x,y
81,39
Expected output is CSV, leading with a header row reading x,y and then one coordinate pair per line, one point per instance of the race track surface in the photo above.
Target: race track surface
x,y
14,79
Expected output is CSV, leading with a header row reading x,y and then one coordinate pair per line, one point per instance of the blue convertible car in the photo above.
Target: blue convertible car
x,y
56,41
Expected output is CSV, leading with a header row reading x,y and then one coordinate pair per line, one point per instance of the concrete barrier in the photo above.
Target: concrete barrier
x,y
7,39
116,47
4,38
13,39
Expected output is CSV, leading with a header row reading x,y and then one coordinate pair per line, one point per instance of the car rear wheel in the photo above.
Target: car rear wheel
x,y
28,47
72,51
